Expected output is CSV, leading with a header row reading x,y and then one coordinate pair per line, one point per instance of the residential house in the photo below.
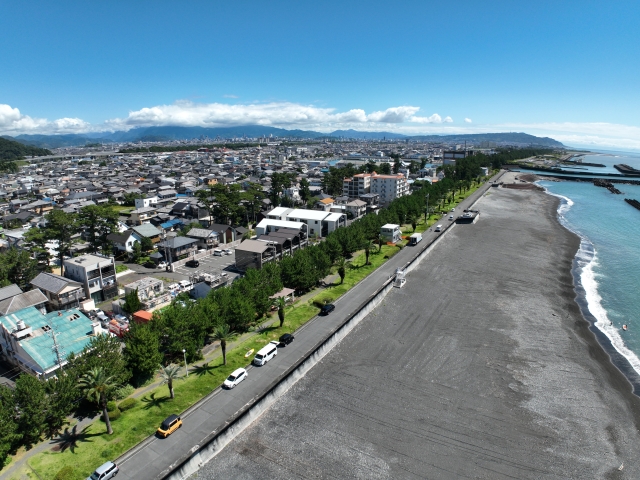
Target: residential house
x,y
149,231
226,233
123,242
253,254
206,238
141,215
177,248
390,233
146,202
61,293
151,292
97,274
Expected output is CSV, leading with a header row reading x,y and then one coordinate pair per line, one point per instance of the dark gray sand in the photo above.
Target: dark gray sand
x,y
480,367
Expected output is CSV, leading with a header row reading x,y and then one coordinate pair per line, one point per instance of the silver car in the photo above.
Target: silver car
x,y
104,472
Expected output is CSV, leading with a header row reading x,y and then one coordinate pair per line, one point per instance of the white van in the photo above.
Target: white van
x,y
265,354
415,238
217,252
438,228
186,285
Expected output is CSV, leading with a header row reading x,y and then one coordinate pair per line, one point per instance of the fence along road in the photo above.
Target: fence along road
x,y
216,419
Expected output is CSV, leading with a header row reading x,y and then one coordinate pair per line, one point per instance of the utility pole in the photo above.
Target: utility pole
x,y
57,348
426,213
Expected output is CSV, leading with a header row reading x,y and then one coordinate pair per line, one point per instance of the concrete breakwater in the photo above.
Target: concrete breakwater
x,y
634,203
608,185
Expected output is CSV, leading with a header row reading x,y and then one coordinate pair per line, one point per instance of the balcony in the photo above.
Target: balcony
x,y
93,274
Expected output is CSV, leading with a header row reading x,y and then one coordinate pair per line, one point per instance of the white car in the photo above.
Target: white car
x,y
228,251
235,378
450,217
162,265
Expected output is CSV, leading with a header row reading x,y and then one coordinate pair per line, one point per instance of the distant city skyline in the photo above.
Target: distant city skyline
x,y
566,70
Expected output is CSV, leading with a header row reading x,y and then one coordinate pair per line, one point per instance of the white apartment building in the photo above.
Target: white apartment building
x,y
96,273
357,185
389,187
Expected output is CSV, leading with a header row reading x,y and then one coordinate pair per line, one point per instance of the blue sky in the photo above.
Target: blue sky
x,y
565,69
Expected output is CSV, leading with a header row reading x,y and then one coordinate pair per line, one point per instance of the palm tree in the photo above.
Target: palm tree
x,y
368,244
168,374
96,385
223,334
281,303
341,263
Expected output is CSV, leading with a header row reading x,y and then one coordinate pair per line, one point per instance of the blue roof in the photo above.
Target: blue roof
x,y
171,223
73,329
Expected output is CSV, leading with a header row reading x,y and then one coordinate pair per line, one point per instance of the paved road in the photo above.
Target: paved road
x,y
481,367
155,455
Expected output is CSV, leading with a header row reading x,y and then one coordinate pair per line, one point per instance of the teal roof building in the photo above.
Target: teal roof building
x,y
27,338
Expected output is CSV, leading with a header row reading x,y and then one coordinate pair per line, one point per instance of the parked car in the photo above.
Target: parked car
x,y
186,285
227,251
217,252
327,309
192,263
286,339
170,425
105,471
235,378
162,265
173,288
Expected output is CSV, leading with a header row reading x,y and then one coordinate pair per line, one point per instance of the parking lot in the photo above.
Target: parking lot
x,y
212,265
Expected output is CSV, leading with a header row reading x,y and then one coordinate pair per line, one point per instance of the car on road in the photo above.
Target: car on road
x,y
235,378
450,217
438,228
162,265
227,251
170,425
286,339
453,209
217,253
192,263
327,309
105,471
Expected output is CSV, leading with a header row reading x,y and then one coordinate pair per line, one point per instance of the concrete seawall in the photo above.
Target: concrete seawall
x,y
218,440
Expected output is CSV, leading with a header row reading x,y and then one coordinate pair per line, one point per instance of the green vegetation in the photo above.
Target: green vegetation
x,y
121,268
11,150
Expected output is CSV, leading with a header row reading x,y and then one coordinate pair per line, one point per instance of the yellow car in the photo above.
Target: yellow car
x,y
170,425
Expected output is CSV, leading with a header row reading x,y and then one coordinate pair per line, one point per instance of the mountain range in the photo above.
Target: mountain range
x,y
165,134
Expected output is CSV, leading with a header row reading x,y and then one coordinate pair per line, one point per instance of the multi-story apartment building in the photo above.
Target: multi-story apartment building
x,y
97,273
359,184
389,187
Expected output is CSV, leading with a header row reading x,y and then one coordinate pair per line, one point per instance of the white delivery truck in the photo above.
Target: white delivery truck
x,y
415,239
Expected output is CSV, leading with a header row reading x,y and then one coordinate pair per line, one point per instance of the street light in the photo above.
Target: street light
x,y
186,367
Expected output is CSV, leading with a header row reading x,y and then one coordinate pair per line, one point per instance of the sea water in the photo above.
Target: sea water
x,y
608,262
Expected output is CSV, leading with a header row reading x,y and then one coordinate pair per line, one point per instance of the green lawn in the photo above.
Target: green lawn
x,y
93,447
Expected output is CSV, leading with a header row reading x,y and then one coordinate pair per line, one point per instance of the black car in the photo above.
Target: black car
x,y
286,339
192,263
327,309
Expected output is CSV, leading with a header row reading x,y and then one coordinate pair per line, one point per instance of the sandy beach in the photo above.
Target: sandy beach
x,y
480,367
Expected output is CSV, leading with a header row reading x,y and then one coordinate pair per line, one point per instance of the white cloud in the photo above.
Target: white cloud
x,y
13,122
229,96
402,119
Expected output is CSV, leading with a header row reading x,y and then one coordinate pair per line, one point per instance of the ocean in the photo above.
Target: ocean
x,y
607,266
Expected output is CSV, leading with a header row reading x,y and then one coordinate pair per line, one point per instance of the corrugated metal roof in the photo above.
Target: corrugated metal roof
x,y
73,333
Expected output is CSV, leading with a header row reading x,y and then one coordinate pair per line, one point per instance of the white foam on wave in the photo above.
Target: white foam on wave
x,y
587,259
588,279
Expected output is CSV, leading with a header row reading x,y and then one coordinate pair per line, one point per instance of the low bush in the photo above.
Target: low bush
x,y
113,414
123,392
127,404
65,473
111,406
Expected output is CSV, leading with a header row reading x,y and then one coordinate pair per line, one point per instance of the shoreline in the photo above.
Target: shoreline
x,y
580,267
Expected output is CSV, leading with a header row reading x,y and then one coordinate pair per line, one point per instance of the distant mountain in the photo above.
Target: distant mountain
x,y
56,141
167,134
366,135
12,150
508,137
